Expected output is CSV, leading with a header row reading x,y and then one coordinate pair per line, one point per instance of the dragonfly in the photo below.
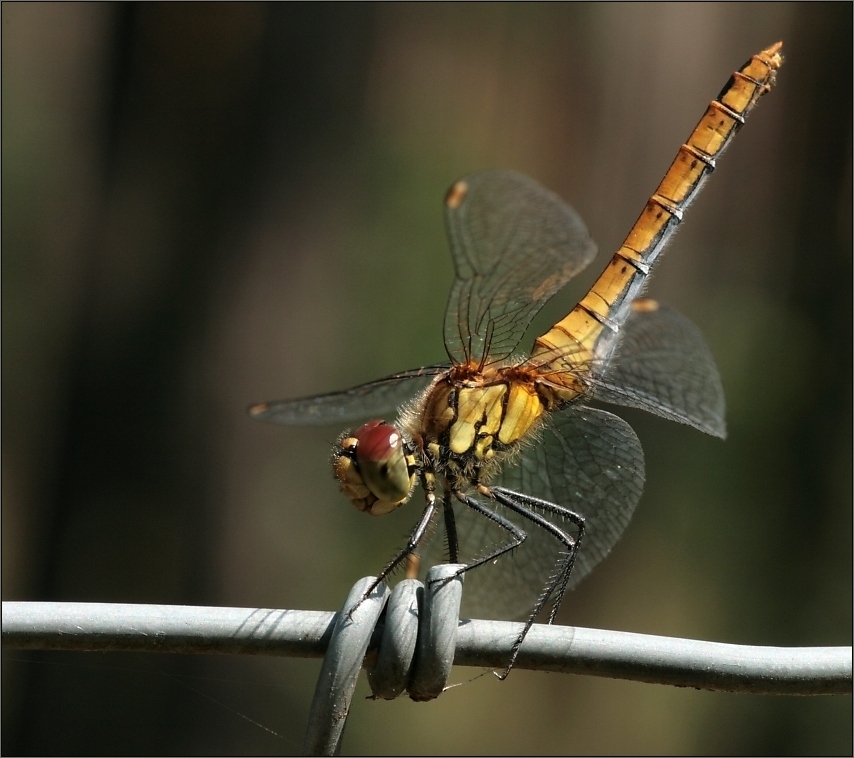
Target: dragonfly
x,y
517,468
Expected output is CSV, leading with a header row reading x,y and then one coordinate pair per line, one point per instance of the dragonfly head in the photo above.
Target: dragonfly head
x,y
375,467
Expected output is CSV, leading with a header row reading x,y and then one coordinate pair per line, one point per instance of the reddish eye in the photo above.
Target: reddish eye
x,y
378,442
381,459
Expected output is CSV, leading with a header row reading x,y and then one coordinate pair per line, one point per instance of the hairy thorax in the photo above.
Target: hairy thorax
x,y
470,420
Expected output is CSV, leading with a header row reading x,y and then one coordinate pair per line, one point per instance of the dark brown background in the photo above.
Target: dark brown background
x,y
209,205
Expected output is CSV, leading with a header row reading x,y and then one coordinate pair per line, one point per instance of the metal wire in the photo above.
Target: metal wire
x,y
341,666
389,676
306,634
413,645
437,632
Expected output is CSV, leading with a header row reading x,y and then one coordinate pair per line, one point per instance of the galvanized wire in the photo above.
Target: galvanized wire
x,y
342,663
413,645
306,634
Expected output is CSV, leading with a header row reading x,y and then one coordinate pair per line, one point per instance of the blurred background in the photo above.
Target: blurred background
x,y
210,205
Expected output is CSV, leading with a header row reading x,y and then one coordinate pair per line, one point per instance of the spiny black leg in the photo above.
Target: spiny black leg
x,y
543,505
517,535
522,504
450,528
411,545
576,518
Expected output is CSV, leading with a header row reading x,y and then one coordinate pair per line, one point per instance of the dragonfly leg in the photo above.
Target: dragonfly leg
x,y
453,543
524,505
565,513
411,545
517,535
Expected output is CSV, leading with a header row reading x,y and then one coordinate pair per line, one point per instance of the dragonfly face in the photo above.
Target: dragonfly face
x,y
506,449
375,467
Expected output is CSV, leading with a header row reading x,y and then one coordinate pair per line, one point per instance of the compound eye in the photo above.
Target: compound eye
x,y
381,457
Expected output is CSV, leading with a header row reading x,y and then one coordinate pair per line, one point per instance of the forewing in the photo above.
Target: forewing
x,y
587,460
373,399
514,244
664,366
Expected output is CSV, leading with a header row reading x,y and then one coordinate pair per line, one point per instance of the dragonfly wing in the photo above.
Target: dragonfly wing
x,y
587,460
590,461
367,400
514,244
664,366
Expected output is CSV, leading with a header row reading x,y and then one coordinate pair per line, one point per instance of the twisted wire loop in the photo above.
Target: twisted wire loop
x,y
389,676
437,639
354,627
417,641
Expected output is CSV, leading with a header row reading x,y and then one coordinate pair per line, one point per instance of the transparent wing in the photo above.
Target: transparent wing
x,y
664,366
367,400
514,244
587,460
